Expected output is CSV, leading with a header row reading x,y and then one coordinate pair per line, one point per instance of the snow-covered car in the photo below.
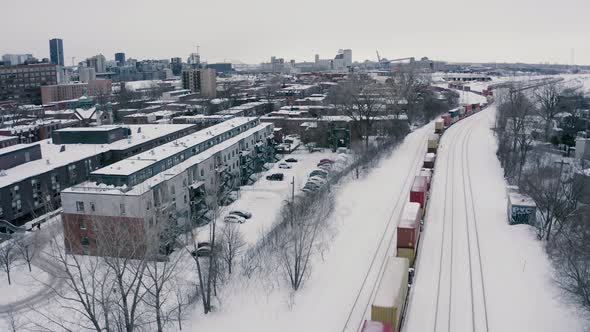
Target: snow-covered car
x,y
275,177
319,172
284,166
312,185
241,213
203,250
235,219
325,167
326,161
316,179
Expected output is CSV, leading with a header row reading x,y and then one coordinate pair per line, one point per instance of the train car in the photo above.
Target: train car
x,y
439,126
521,208
462,112
390,298
454,113
427,173
429,160
447,119
419,191
433,143
408,232
375,326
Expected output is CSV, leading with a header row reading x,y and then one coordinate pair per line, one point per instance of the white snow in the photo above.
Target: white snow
x,y
391,287
411,211
24,283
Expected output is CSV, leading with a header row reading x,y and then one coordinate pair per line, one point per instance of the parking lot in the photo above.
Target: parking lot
x,y
265,197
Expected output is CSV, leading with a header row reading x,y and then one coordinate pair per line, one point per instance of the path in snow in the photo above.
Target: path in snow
x,y
474,271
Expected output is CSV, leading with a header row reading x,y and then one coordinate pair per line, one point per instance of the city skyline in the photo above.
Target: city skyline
x,y
455,31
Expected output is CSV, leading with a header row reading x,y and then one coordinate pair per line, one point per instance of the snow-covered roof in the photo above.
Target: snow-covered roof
x,y
520,199
133,164
409,215
91,129
7,138
52,158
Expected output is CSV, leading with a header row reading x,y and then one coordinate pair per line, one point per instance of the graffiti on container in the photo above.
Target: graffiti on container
x,y
521,214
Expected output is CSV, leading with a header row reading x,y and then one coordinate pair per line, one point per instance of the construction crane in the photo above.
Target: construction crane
x,y
378,57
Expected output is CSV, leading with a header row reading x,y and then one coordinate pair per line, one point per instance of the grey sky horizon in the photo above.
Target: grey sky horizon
x,y
530,31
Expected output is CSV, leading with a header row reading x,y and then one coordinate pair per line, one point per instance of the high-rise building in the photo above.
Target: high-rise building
x,y
15,59
176,65
98,62
194,59
56,51
86,74
120,58
23,83
202,81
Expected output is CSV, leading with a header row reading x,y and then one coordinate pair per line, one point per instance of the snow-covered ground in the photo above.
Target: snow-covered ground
x,y
24,283
474,271
342,278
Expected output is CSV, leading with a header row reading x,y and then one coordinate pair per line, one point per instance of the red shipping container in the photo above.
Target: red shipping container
x,y
447,118
426,172
373,326
418,192
408,228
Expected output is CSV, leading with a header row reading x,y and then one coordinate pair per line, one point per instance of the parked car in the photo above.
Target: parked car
x,y
312,185
309,190
318,180
284,166
275,177
329,161
241,213
291,160
325,166
203,250
234,218
319,172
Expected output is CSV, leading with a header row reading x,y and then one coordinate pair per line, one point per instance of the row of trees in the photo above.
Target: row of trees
x,y
526,120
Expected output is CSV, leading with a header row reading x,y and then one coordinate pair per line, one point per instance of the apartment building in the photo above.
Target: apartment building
x,y
168,184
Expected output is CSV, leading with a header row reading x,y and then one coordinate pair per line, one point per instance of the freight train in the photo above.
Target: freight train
x,y
389,304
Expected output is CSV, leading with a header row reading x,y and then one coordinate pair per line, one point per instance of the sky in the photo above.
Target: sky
x,y
251,31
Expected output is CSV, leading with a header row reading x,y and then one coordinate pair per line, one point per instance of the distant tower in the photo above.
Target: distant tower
x,y
120,58
317,58
56,51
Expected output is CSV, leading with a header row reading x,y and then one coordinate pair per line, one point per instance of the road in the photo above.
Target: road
x,y
474,272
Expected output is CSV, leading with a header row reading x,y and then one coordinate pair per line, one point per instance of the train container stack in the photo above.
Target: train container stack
x,y
429,160
390,298
433,143
408,232
375,326
388,305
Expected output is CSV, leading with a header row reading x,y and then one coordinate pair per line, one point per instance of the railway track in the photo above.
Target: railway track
x,y
458,234
362,301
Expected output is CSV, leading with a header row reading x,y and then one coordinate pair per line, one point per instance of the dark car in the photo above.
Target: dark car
x,y
291,160
203,250
275,177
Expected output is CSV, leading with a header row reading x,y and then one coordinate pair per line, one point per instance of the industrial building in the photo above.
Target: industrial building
x,y
168,184
22,83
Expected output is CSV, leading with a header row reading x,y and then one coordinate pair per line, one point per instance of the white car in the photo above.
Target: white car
x,y
233,218
241,213
284,166
318,180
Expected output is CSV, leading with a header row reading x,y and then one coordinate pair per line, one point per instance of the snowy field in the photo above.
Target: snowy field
x,y
24,283
474,271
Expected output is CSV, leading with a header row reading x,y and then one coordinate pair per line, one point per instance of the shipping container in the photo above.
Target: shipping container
x,y
390,298
407,253
374,326
419,191
439,126
408,228
446,118
429,160
426,172
433,143
521,209
462,111
454,113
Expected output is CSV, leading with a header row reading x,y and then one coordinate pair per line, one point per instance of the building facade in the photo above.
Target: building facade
x,y
169,188
98,62
202,81
22,83
54,93
16,59
56,51
120,58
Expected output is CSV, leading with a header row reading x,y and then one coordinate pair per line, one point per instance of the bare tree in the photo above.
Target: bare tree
x,y
8,257
232,244
27,246
547,96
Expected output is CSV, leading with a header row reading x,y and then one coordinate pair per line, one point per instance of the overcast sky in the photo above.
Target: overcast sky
x,y
251,31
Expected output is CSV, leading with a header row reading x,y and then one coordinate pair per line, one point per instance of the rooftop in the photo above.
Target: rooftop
x,y
52,158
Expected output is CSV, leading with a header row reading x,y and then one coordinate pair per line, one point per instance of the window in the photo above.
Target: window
x,y
84,241
80,206
92,206
185,200
82,224
202,172
122,206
